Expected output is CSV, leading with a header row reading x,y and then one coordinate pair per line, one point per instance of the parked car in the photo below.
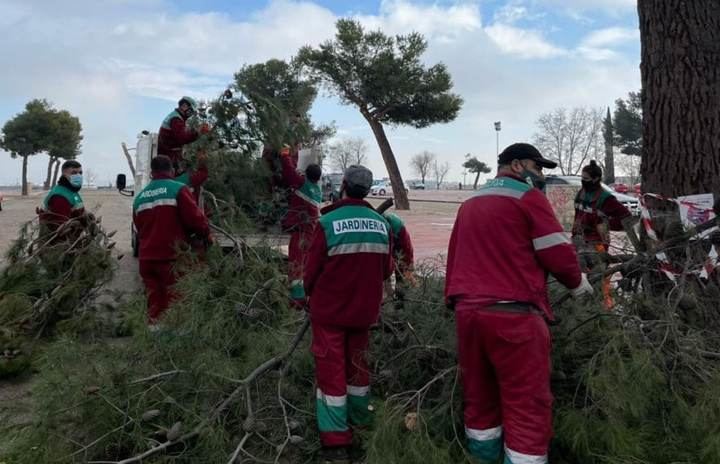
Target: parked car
x,y
417,185
381,189
620,187
638,188
630,202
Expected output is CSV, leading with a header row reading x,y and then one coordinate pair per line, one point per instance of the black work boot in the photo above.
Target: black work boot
x,y
334,455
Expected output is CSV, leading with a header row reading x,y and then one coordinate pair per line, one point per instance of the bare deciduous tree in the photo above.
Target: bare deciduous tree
x,y
421,163
570,137
440,171
347,152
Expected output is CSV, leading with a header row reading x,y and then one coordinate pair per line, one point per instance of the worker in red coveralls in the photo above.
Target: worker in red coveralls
x,y
174,133
349,258
403,255
63,202
597,211
194,178
166,217
301,219
505,241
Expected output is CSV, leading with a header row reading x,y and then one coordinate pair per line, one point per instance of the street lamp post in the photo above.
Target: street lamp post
x,y
497,137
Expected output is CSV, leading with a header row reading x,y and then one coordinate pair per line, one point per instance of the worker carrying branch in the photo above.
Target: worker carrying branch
x,y
597,212
63,202
174,133
505,241
301,219
166,218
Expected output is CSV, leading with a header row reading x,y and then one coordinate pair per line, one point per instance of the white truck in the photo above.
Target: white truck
x,y
139,163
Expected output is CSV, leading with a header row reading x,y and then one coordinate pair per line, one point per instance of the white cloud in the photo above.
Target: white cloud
x,y
434,21
588,5
610,36
110,62
524,43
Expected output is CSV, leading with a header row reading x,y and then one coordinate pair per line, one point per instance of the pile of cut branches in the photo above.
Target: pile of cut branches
x,y
51,279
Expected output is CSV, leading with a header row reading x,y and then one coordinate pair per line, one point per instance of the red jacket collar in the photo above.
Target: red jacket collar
x,y
345,202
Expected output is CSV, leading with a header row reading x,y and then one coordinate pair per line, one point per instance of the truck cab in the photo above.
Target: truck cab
x,y
139,161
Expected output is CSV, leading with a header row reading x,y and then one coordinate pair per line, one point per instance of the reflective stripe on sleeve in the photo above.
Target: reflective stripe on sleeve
x,y
550,240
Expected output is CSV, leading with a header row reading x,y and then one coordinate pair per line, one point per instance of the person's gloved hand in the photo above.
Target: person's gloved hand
x,y
205,128
410,279
584,288
285,151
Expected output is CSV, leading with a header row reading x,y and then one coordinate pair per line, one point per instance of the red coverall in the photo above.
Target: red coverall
x,y
301,220
504,242
593,212
160,230
194,179
345,290
173,135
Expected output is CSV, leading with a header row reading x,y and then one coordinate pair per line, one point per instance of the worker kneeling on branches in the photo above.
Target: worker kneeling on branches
x,y
597,212
166,217
63,202
504,242
349,258
301,219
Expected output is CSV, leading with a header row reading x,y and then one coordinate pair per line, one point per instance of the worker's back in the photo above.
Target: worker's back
x,y
504,241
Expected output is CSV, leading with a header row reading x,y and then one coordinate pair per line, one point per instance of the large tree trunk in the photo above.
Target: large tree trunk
x,y
681,96
24,176
56,170
477,179
401,198
48,178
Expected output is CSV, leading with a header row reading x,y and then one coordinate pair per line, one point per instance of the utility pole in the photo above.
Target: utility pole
x,y
497,137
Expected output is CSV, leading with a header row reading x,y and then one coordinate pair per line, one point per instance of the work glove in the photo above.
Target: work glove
x,y
583,289
410,279
285,151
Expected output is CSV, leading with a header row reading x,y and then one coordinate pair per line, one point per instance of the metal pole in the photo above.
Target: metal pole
x,y
497,137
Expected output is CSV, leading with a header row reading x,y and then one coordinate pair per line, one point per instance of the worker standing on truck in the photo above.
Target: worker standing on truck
x,y
166,217
174,133
349,258
597,212
301,219
505,241
63,202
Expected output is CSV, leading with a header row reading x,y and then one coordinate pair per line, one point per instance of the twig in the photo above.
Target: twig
x,y
264,367
157,376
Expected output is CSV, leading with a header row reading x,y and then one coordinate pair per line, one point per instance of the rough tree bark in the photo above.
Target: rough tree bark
x,y
48,178
401,198
24,176
56,170
681,96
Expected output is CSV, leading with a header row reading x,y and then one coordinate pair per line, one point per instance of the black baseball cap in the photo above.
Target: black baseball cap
x,y
521,151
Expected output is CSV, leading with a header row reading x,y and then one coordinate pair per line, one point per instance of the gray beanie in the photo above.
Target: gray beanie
x,y
358,176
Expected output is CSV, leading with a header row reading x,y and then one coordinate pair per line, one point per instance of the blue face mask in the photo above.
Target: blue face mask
x,y
76,180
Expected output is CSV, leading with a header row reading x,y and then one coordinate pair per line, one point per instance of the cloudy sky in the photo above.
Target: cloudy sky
x,y
120,65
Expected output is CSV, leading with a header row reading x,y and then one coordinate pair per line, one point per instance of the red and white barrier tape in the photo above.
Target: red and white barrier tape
x,y
666,267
